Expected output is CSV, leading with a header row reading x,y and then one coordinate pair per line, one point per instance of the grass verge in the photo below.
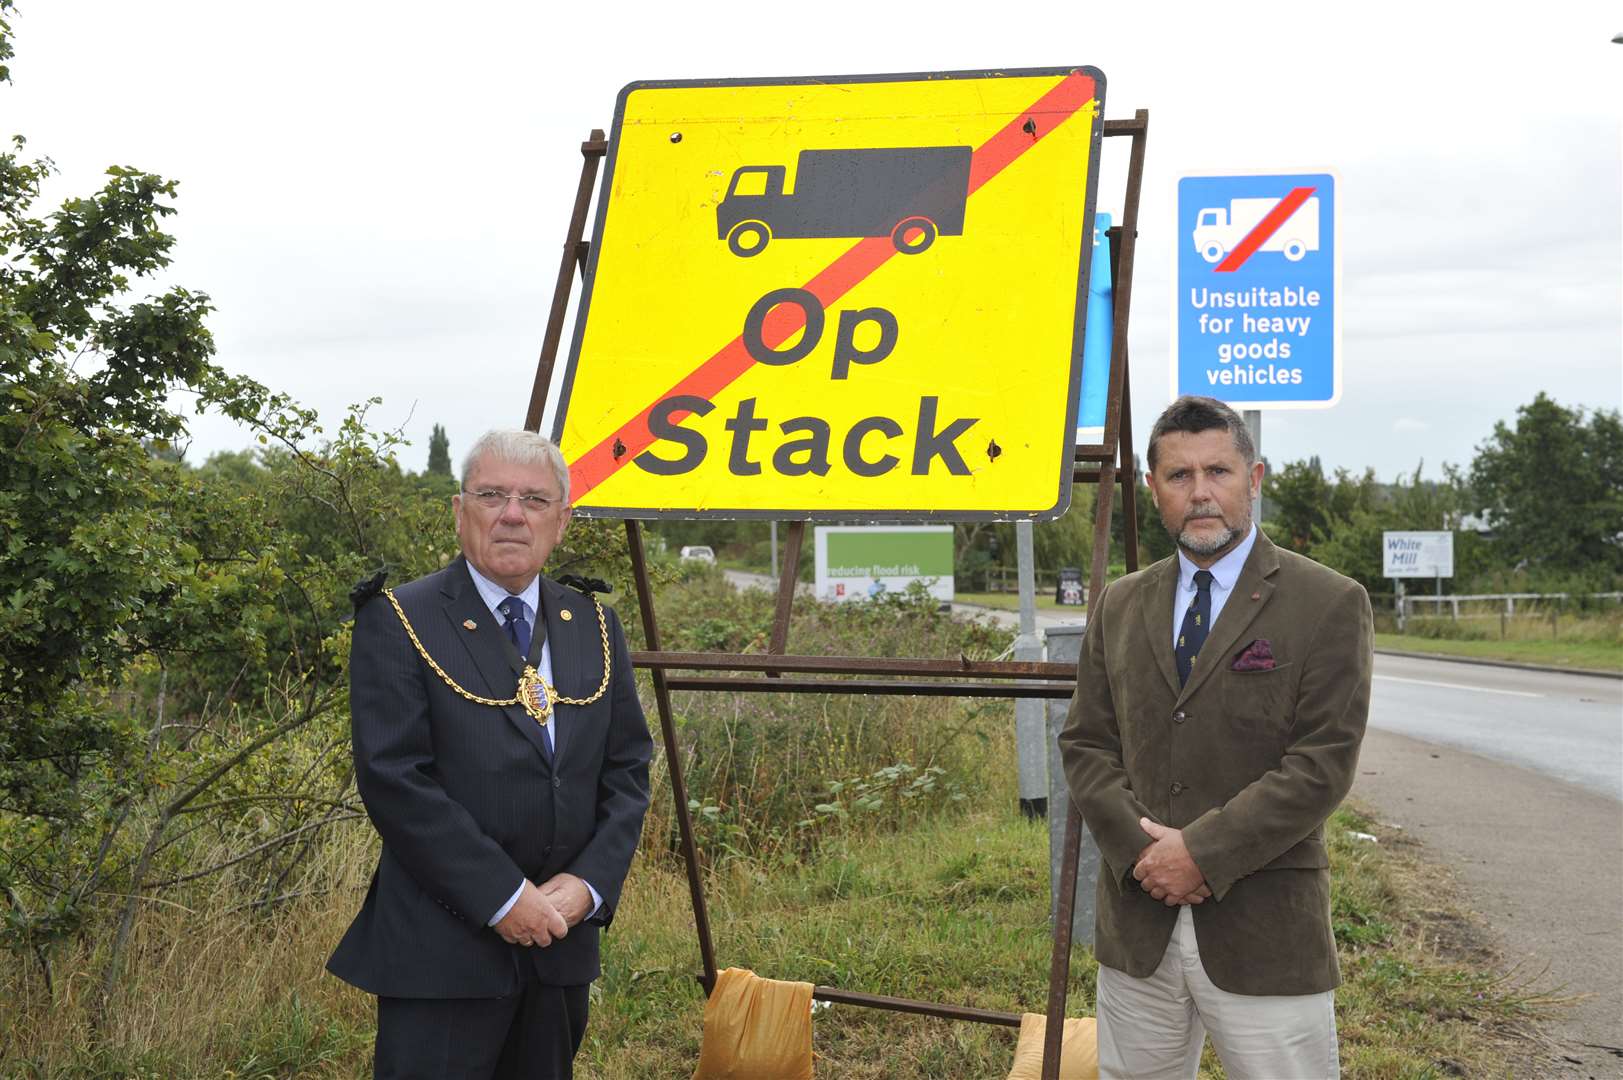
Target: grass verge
x,y
1593,655
956,912
1011,602
953,909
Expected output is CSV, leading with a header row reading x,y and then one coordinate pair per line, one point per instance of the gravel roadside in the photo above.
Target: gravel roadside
x,y
1542,863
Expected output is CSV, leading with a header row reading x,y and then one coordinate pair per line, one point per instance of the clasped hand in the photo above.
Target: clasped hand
x,y
545,912
1165,869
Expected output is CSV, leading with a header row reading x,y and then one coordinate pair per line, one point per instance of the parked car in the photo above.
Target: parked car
x,y
698,553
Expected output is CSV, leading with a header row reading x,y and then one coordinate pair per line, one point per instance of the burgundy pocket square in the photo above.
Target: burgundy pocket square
x,y
1257,656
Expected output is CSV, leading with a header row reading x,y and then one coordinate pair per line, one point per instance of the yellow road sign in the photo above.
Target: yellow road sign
x,y
837,298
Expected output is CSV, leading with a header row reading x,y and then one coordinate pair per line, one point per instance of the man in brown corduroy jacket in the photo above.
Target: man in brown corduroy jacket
x,y
1221,700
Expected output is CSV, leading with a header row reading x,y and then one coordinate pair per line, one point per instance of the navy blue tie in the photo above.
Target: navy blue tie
x,y
518,628
1196,622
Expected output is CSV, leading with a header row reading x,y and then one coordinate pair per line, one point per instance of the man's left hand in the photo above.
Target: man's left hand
x,y
570,896
1164,868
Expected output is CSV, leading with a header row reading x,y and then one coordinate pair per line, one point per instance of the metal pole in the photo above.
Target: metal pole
x,y
1065,648
1123,253
1129,461
788,579
1253,421
673,758
592,150
1029,728
1059,966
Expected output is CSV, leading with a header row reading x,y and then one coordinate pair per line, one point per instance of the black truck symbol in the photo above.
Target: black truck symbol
x,y
911,194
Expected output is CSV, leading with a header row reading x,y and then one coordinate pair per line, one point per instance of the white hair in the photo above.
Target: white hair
x,y
518,448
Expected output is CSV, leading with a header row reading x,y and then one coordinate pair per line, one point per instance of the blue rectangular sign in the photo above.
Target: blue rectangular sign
x,y
1256,322
1097,339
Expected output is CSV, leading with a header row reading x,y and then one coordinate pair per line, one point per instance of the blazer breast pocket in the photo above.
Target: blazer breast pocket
x,y
1259,701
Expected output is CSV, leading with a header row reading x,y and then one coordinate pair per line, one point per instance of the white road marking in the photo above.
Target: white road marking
x,y
1459,686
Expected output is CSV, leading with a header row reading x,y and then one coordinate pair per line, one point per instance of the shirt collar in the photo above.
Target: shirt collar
x,y
1225,571
493,594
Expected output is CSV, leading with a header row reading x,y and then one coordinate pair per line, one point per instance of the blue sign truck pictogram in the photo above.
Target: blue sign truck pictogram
x,y
1255,319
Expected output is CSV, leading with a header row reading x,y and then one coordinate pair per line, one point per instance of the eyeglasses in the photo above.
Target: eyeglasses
x,y
491,499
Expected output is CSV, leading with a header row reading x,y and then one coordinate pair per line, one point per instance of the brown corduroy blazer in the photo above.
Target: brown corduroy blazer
x,y
1249,764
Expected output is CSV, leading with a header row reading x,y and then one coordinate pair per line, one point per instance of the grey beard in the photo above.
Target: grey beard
x,y
1209,545
1197,546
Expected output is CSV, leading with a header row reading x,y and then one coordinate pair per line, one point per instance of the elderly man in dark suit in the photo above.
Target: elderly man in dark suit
x,y
1221,699
503,756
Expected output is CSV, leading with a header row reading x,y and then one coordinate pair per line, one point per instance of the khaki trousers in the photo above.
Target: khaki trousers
x,y
1152,1029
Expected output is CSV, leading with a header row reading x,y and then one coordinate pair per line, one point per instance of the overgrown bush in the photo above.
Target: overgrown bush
x,y
759,766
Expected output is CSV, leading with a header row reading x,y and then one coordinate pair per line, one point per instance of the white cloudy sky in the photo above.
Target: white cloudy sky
x,y
374,193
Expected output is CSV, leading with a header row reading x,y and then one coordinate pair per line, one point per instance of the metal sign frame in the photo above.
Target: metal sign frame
x,y
1104,464
600,458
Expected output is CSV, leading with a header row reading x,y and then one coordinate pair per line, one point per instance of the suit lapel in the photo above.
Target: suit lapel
x,y
564,637
1239,611
484,645
1162,583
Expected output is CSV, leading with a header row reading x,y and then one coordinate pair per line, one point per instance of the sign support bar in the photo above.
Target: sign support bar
x,y
1118,447
592,151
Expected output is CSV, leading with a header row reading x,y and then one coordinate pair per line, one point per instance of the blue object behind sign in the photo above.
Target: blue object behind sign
x,y
1090,413
1256,321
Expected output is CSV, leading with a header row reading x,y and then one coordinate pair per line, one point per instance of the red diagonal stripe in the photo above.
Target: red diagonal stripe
x,y
838,278
1265,228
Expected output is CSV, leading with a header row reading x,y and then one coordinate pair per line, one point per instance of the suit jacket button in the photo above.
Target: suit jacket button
x,y
557,781
1178,717
1177,788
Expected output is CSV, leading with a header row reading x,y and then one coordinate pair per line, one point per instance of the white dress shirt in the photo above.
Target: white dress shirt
x,y
493,595
1225,572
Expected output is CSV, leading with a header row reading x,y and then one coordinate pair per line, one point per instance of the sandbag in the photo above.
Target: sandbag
x,y
1079,1050
756,1029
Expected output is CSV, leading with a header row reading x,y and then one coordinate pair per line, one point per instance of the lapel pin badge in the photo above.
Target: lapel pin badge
x,y
1256,596
469,624
566,614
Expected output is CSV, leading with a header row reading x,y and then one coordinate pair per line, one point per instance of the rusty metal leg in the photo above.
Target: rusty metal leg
x,y
1127,462
1101,531
592,150
788,578
673,758
1119,441
1059,968
1129,477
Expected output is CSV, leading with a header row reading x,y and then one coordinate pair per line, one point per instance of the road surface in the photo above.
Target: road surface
x,y
1568,727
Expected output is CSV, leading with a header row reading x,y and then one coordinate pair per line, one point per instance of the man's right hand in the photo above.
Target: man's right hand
x,y
533,920
1199,895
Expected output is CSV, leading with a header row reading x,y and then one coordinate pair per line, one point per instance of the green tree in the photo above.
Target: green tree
x,y
1154,542
1362,509
91,550
119,567
172,687
1551,488
1298,500
439,453
1067,540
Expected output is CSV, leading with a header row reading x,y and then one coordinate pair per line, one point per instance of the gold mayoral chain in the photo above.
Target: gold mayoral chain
x,y
534,694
